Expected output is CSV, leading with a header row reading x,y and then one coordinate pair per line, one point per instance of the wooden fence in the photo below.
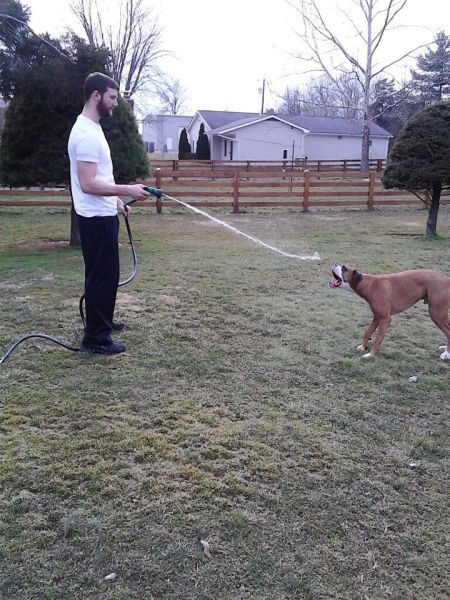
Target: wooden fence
x,y
240,190
297,164
305,190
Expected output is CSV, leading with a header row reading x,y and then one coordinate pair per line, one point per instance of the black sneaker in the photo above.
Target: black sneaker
x,y
118,325
111,348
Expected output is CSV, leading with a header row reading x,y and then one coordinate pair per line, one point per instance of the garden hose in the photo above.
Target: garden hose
x,y
159,193
155,192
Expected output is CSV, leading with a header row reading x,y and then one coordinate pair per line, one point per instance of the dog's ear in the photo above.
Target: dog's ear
x,y
356,277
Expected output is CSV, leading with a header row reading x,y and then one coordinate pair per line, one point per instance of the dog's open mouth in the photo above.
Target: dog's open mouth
x,y
337,281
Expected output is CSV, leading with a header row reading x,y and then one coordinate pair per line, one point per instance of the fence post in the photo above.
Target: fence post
x,y
158,185
236,192
306,191
370,198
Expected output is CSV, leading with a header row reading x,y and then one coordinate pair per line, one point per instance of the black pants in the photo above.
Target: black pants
x,y
100,245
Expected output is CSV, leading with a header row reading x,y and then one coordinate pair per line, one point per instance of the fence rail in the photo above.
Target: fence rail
x,y
297,164
239,190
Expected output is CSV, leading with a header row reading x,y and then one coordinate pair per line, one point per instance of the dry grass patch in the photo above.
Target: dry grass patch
x,y
240,415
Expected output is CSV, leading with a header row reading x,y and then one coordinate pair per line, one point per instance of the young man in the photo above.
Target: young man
x,y
96,202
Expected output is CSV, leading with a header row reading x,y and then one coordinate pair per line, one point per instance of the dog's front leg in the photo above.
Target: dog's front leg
x,y
383,324
368,334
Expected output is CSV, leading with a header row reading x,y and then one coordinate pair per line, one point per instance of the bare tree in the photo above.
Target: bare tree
x,y
321,97
172,96
131,35
333,54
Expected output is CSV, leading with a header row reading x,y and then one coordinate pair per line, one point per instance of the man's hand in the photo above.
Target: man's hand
x,y
124,210
137,192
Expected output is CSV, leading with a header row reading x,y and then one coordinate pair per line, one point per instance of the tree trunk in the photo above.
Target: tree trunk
x,y
364,168
365,145
434,209
74,231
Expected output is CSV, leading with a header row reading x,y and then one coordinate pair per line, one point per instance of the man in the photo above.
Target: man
x,y
96,202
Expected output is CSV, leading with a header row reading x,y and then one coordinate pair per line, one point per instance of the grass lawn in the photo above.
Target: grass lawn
x,y
241,415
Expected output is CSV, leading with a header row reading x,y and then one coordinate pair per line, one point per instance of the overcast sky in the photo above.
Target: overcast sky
x,y
222,50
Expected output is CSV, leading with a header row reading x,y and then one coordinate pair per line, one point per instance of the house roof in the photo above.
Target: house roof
x,y
336,125
223,122
219,118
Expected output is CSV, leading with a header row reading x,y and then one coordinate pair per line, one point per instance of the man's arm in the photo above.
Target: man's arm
x,y
90,185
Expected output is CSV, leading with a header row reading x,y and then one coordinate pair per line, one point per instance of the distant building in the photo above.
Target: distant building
x,y
252,136
161,133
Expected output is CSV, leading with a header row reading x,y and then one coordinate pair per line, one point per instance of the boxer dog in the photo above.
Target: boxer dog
x,y
391,294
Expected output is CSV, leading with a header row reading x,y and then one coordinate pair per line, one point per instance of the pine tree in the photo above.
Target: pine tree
x,y
47,100
48,96
128,154
432,78
184,146
391,107
203,150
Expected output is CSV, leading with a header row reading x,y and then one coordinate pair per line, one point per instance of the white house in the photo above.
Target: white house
x,y
252,136
161,133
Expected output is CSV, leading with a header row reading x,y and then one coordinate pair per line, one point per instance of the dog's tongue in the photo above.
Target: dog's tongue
x,y
334,283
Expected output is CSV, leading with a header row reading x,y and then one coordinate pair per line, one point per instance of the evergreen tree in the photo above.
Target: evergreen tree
x,y
391,107
420,158
47,88
432,78
48,96
20,48
128,154
203,150
184,146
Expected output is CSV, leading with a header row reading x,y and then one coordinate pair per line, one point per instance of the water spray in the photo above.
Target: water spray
x,y
159,193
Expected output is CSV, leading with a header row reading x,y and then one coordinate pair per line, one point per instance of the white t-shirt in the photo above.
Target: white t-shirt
x,y
87,143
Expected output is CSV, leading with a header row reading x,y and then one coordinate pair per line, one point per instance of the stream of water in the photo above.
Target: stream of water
x,y
314,256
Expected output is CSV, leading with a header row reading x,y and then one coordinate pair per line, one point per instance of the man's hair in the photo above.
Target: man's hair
x,y
98,82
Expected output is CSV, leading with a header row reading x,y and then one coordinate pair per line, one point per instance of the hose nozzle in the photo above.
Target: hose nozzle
x,y
154,191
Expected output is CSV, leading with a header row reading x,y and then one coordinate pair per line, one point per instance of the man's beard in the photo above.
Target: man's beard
x,y
103,111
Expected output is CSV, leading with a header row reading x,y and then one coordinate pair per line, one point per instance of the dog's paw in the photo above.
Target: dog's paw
x,y
361,348
445,355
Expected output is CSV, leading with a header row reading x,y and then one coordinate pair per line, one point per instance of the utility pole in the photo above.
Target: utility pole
x,y
262,94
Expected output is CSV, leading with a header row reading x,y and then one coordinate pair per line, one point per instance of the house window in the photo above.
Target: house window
x,y
225,147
